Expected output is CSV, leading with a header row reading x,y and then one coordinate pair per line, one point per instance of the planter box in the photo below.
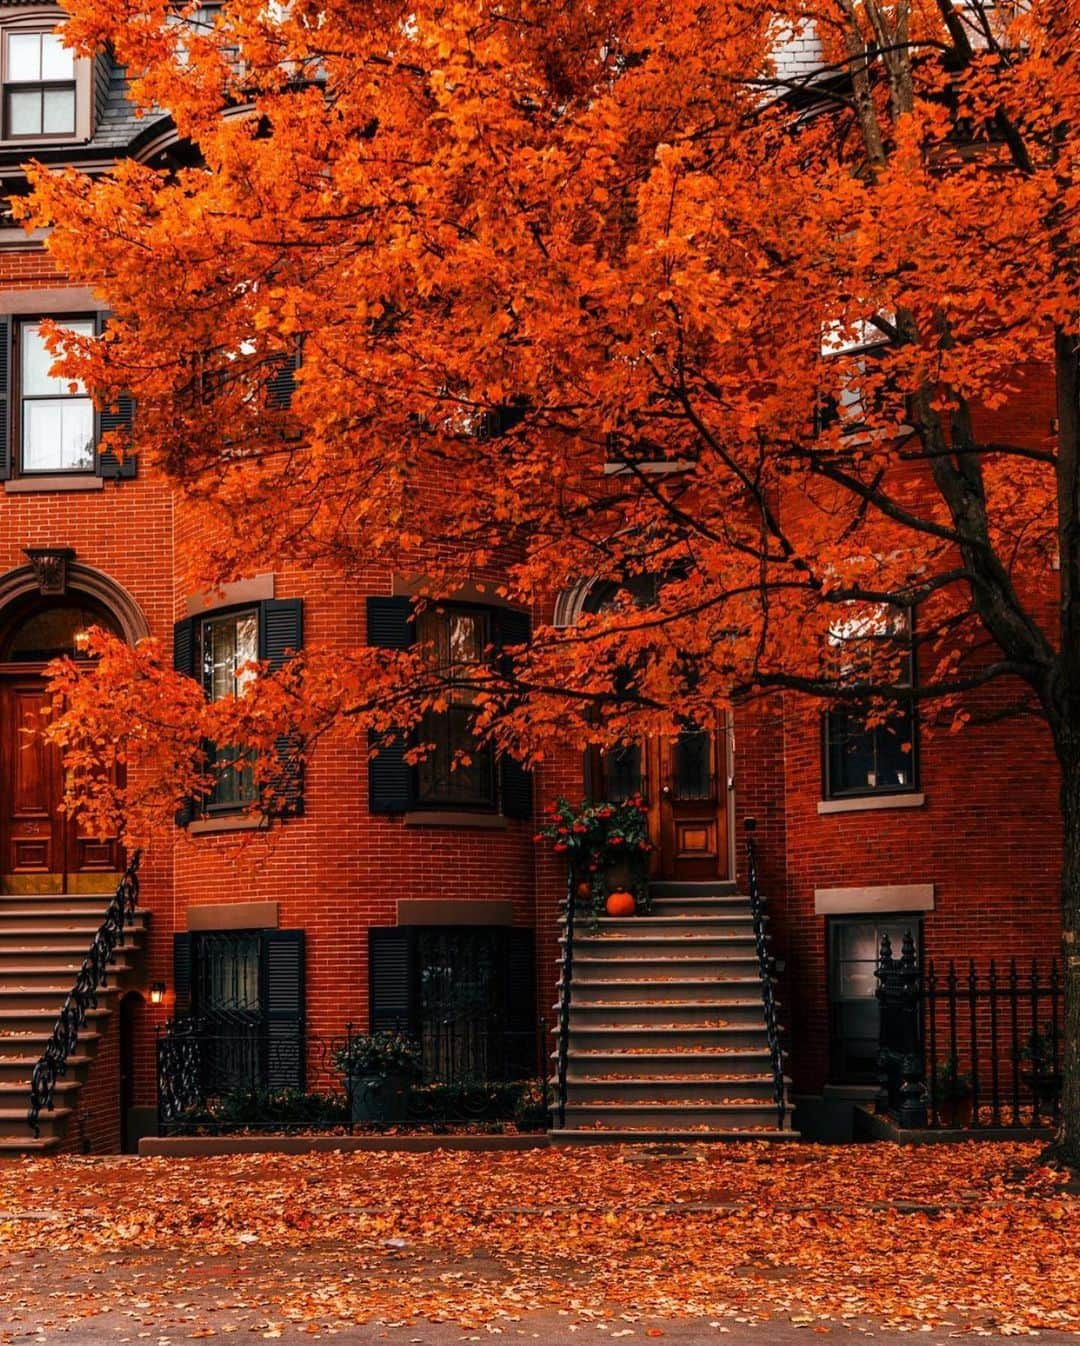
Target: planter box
x,y
379,1098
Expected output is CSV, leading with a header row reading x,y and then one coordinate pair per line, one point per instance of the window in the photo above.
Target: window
x,y
39,86
854,945
467,994
852,395
240,1004
227,646
457,771
870,752
56,415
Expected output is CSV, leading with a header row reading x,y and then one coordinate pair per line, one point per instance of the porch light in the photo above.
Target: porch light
x,y
157,992
82,641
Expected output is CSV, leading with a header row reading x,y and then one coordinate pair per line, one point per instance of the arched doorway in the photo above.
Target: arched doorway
x,y
685,779
41,849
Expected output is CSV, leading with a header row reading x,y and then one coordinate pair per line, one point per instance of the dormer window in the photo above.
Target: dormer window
x,y
39,86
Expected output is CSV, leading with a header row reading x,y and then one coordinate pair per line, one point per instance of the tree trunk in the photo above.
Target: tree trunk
x,y
1067,1144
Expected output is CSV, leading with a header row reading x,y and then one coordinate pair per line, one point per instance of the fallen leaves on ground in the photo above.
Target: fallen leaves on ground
x,y
969,1236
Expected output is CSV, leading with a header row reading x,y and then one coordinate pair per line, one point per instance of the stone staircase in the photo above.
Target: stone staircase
x,y
43,941
667,1028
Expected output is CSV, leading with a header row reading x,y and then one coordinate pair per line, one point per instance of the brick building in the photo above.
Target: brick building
x,y
384,884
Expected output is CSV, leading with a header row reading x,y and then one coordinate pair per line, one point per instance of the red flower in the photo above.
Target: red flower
x,y
561,846
563,831
539,837
579,828
644,846
616,840
605,812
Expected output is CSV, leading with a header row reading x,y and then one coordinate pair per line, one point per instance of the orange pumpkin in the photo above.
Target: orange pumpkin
x,y
621,903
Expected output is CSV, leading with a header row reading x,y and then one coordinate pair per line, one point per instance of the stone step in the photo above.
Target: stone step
x,y
13,1123
739,1114
51,997
53,969
59,939
693,888
646,946
12,1147
666,1063
663,1136
617,964
616,990
23,918
17,1069
718,1013
20,1020
733,903
33,1042
661,923
15,1094
669,1089
49,908
55,951
658,1036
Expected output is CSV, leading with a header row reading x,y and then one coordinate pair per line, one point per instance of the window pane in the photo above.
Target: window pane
x,y
228,643
58,435
57,61
692,763
623,773
36,362
58,115
24,58
894,752
24,113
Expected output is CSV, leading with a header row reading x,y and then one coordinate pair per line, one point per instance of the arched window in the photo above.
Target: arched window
x,y
46,631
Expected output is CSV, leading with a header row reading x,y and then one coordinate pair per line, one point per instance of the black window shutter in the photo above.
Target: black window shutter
x,y
390,777
182,956
515,783
281,632
392,978
281,629
282,968
184,662
389,623
5,398
519,1003
119,418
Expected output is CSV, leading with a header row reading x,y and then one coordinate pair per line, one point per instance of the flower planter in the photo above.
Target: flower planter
x,y
955,1111
379,1098
1044,1084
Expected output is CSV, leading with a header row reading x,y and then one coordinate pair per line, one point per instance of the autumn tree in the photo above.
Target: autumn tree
x,y
605,290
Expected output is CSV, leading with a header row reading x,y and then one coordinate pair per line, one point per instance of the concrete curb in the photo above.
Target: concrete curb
x,y
194,1147
870,1126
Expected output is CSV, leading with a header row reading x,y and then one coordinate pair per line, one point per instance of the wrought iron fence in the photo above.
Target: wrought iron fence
x,y
211,1082
971,1047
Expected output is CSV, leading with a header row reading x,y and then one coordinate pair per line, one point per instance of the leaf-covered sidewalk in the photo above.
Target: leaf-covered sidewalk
x,y
958,1238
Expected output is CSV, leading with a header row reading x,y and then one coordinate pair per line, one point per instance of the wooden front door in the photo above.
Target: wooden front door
x,y
684,780
41,849
692,806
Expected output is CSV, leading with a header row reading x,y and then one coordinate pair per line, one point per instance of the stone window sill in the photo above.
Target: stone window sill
x,y
55,482
226,823
863,802
453,818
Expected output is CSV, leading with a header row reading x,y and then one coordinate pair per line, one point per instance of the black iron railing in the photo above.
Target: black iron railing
x,y
766,969
562,1043
974,1047
210,1082
91,977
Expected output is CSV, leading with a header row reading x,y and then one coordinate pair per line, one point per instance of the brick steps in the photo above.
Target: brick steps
x,y
667,1036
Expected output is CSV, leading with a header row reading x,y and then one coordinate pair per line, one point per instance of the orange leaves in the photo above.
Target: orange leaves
x,y
627,1239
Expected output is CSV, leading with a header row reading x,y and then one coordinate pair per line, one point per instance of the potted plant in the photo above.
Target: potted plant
x,y
378,1069
950,1094
1041,1051
606,845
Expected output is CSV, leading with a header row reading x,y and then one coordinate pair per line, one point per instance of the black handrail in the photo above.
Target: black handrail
x,y
765,968
83,995
562,1046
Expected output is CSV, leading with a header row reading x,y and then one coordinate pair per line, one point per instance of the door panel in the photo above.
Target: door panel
x,y
41,850
693,806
